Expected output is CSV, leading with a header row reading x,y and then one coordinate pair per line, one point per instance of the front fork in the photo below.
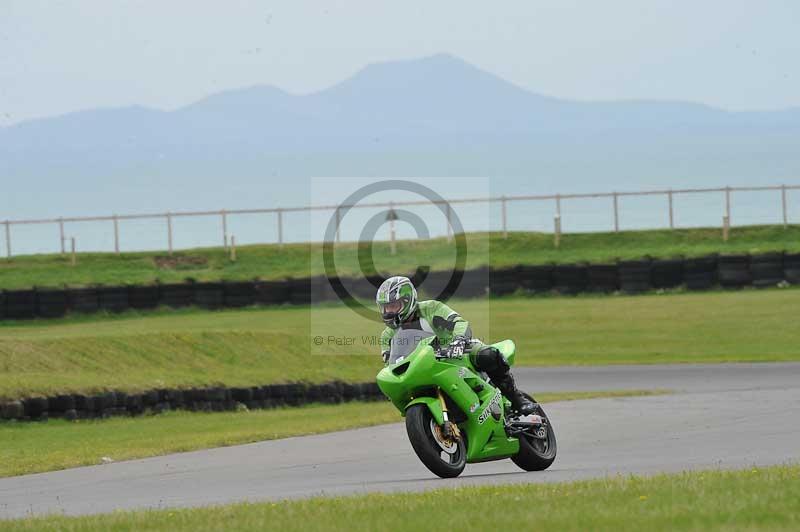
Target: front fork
x,y
449,429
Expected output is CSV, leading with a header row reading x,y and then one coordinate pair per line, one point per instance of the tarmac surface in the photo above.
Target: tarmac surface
x,y
718,416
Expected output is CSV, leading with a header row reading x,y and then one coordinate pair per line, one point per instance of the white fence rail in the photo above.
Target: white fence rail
x,y
781,215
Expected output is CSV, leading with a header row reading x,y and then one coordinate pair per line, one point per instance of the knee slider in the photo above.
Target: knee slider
x,y
490,360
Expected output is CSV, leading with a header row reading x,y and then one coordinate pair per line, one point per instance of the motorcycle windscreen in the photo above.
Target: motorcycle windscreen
x,y
404,342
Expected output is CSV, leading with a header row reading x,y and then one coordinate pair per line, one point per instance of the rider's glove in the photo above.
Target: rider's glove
x,y
385,356
457,347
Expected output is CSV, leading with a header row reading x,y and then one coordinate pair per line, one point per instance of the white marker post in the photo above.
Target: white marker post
x,y
169,233
671,212
61,234
8,239
728,203
505,218
557,230
726,227
224,229
280,227
449,224
116,234
783,204
391,216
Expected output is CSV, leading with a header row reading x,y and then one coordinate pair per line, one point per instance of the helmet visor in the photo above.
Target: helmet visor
x,y
393,307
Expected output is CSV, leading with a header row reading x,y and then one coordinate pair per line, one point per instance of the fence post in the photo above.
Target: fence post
x,y
74,259
616,212
116,234
671,212
726,226
224,229
505,218
8,239
233,248
169,232
783,202
558,205
557,230
392,216
61,234
449,224
338,221
728,203
280,227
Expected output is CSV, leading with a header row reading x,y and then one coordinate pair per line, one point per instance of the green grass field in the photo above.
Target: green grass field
x,y
752,499
57,444
271,261
267,345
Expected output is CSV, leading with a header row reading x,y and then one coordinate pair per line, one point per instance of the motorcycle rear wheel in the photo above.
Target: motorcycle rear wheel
x,y
420,427
536,454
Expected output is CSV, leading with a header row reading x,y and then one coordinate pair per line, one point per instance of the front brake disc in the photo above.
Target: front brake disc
x,y
447,444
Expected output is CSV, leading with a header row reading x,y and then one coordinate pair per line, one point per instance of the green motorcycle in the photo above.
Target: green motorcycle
x,y
454,416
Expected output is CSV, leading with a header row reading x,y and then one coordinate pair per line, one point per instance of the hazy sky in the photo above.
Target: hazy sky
x,y
57,57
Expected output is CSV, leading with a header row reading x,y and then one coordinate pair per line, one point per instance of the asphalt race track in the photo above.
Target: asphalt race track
x,y
720,416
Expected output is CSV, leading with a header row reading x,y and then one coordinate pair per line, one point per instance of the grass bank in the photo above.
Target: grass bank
x,y
57,444
267,345
270,261
752,499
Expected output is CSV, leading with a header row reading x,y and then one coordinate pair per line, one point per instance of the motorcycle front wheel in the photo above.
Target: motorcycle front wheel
x,y
442,456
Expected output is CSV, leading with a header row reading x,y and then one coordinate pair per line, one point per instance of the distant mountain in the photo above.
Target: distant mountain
x,y
402,104
433,116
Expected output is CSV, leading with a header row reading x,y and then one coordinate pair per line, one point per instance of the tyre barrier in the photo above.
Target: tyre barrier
x,y
321,289
570,279
474,283
667,273
700,273
51,303
734,271
504,281
211,399
791,268
210,295
361,287
83,300
239,294
177,295
635,276
113,298
272,292
603,278
20,304
144,297
767,269
536,279
300,291
438,282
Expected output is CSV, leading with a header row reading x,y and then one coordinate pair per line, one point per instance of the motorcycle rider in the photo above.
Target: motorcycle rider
x,y
397,302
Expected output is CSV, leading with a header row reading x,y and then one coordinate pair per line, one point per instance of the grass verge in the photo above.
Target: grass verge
x,y
752,499
267,345
270,261
57,444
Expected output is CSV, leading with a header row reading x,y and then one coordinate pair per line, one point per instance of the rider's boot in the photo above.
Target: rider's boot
x,y
520,402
